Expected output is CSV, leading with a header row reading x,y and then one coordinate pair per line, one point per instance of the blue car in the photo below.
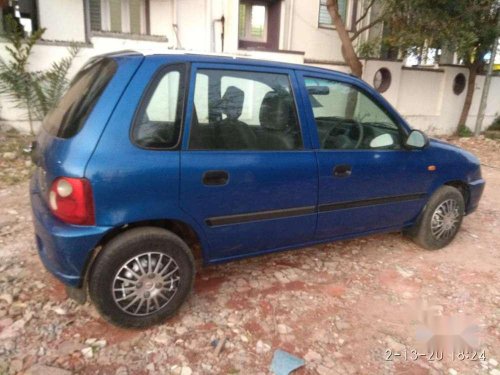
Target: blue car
x,y
146,158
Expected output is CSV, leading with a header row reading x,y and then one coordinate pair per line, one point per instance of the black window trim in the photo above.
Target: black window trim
x,y
291,75
148,93
401,129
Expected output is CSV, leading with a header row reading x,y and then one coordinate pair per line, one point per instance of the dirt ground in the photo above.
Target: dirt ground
x,y
348,307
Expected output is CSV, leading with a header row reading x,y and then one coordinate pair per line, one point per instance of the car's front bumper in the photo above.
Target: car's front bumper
x,y
64,249
476,189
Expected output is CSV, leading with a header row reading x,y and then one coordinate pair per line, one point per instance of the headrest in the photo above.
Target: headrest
x,y
232,102
275,110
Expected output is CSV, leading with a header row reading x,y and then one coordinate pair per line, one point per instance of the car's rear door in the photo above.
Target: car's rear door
x,y
248,175
367,180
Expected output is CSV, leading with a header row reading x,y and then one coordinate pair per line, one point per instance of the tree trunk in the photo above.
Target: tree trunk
x,y
348,52
471,85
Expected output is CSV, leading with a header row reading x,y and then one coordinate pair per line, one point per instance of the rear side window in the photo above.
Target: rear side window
x,y
158,122
69,116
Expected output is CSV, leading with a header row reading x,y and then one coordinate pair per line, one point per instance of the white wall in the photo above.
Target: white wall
x,y
63,19
317,43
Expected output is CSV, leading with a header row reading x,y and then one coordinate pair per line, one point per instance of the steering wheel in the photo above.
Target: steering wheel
x,y
340,138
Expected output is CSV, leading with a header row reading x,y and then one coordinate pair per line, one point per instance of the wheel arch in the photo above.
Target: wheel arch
x,y
462,187
185,231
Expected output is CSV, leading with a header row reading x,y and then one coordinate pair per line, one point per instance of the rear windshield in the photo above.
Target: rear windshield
x,y
69,116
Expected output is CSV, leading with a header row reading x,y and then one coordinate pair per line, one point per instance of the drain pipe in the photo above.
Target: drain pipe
x,y
222,20
290,25
175,27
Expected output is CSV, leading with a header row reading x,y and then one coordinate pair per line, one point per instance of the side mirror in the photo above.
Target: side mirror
x,y
383,140
416,140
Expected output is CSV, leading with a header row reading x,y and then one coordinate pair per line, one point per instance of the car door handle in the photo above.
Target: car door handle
x,y
342,170
212,178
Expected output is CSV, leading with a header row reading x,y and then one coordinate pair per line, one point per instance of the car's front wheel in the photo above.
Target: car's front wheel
x,y
141,277
440,220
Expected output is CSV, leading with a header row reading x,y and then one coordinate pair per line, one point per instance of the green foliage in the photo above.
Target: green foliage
x,y
464,131
37,92
370,48
468,27
495,125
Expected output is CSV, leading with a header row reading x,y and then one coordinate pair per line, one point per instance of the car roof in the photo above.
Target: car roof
x,y
228,59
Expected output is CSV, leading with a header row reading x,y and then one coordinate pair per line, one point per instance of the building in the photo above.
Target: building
x,y
298,31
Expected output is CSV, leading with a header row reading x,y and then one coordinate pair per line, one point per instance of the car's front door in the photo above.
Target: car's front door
x,y
367,180
248,175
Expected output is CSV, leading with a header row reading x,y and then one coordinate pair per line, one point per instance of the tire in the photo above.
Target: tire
x,y
434,235
150,265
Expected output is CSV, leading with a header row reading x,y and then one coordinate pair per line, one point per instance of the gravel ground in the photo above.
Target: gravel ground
x,y
343,307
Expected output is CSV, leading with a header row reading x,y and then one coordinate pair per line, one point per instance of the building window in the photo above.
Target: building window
x,y
253,22
324,19
119,16
23,12
259,24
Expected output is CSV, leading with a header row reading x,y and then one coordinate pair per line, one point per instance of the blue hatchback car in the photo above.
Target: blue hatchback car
x,y
147,156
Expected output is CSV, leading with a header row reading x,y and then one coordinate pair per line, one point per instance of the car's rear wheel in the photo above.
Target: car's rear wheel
x,y
440,220
141,277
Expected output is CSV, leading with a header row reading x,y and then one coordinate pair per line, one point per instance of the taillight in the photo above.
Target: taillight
x,y
70,199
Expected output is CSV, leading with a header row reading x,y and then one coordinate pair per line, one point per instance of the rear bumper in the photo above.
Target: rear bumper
x,y
476,189
64,249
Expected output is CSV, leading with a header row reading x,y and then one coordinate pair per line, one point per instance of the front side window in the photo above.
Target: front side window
x,y
158,121
346,118
235,110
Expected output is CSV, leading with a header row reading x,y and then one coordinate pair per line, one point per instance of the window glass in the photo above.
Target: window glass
x,y
252,21
159,119
346,118
69,115
324,18
236,110
121,16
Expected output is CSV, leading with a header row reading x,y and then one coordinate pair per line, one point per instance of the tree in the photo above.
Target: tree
x,y
35,92
468,27
348,52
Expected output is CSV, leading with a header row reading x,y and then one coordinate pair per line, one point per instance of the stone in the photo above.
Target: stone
x,y
283,329
46,370
87,352
311,355
342,325
394,345
16,365
452,371
186,370
121,371
404,272
59,310
244,338
493,362
7,298
322,370
9,155
262,347
181,330
68,347
100,343
495,372
150,367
